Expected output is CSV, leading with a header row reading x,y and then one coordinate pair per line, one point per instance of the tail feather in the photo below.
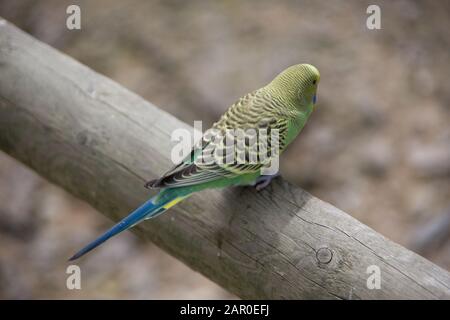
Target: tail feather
x,y
146,211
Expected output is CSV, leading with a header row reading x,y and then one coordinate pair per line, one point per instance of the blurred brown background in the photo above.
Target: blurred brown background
x,y
376,147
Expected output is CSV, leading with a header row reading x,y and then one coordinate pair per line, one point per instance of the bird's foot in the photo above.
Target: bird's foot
x,y
263,181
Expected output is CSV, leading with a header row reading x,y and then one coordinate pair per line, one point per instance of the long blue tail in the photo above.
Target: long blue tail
x,y
148,210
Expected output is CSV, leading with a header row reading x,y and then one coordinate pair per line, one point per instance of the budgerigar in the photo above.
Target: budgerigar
x,y
285,104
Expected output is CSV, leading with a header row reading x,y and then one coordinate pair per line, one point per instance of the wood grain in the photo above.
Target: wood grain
x,y
101,142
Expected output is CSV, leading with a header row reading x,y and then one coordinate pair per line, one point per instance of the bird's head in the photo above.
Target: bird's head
x,y
297,85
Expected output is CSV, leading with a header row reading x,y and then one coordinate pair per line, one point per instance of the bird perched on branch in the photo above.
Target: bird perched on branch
x,y
270,118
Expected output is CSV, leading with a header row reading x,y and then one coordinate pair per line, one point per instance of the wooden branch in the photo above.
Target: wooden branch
x,y
101,142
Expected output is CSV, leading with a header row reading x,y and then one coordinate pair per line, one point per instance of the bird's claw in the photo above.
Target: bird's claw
x,y
263,181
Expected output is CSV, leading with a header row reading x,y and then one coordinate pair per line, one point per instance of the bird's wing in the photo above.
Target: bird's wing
x,y
256,110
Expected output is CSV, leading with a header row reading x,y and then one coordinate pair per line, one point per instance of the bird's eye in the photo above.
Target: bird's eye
x,y
314,81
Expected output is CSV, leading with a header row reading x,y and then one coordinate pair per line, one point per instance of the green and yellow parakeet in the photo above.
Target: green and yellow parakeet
x,y
284,106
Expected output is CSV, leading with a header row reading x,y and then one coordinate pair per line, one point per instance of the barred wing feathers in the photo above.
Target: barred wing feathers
x,y
255,111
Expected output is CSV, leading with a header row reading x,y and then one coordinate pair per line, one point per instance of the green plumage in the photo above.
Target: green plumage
x,y
285,105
